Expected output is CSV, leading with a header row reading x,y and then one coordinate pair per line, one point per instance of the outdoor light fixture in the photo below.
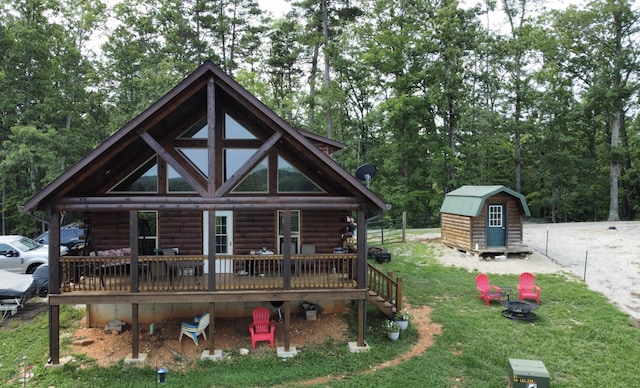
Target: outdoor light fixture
x,y
162,375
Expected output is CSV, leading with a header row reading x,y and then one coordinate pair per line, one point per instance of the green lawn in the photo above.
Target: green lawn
x,y
582,339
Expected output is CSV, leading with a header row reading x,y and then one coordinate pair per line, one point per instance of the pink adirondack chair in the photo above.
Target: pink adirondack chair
x,y
527,287
487,291
262,328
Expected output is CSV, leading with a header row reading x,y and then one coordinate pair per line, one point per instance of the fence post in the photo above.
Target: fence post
x,y
399,294
404,226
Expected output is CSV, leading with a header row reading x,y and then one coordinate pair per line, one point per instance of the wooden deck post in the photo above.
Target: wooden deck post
x,y
133,243
135,331
286,249
287,325
362,274
211,254
54,287
211,328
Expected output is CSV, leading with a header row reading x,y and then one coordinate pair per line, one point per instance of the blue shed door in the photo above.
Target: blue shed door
x,y
496,230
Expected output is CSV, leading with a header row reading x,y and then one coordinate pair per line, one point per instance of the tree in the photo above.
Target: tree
x,y
601,53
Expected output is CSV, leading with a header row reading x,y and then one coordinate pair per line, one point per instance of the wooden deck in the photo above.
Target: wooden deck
x,y
187,273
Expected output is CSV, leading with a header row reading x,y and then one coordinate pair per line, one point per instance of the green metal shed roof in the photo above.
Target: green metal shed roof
x,y
469,200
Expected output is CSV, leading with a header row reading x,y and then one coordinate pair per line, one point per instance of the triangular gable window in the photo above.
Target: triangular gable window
x,y
234,158
198,158
234,130
143,180
257,181
291,180
176,183
199,130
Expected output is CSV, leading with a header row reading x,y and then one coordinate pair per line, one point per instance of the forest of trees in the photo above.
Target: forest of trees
x,y
436,93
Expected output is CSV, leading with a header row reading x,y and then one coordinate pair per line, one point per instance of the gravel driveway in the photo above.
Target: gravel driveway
x,y
605,254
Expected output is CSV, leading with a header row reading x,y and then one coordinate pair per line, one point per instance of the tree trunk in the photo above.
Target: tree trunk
x,y
327,76
312,85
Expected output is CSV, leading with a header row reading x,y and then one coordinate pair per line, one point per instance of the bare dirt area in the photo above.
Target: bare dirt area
x,y
163,348
604,254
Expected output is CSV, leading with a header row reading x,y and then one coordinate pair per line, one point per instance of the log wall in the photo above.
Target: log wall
x,y
456,230
253,229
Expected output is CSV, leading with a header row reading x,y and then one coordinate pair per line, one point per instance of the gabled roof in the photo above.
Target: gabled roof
x,y
470,200
147,135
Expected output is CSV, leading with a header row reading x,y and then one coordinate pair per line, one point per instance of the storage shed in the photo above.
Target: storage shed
x,y
484,220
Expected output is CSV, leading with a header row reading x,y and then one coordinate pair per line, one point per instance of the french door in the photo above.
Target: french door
x,y
222,237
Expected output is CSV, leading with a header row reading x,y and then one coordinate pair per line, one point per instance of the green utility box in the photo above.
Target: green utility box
x,y
528,374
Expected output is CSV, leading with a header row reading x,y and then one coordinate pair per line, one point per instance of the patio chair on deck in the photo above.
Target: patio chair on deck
x,y
262,328
195,328
527,287
487,291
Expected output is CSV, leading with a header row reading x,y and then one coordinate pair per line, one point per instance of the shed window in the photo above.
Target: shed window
x,y
495,216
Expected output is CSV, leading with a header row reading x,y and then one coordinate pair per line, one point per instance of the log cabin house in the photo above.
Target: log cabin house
x,y
207,201
484,220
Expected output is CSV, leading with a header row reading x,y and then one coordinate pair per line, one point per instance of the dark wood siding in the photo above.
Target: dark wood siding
x,y
110,230
323,229
254,229
182,230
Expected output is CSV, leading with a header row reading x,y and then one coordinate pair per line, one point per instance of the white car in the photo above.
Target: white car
x,y
22,254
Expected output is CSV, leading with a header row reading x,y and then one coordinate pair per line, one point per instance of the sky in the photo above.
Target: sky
x,y
277,7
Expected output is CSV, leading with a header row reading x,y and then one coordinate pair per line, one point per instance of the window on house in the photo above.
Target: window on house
x,y
147,232
143,180
235,130
295,231
291,180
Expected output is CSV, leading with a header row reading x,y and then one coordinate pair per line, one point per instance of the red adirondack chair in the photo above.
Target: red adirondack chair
x,y
262,328
487,291
527,287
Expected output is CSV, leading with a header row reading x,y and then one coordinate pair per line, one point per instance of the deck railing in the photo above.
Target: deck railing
x,y
187,273
385,286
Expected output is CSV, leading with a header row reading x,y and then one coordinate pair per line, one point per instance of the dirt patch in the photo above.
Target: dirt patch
x,y
163,348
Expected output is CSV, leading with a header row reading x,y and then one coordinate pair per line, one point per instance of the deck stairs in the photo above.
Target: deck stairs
x,y
384,291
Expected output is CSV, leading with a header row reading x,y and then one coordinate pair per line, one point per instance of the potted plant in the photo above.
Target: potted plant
x,y
402,318
392,329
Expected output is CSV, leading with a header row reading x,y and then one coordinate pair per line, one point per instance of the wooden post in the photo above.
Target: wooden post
x,y
404,226
54,334
287,325
362,274
211,255
286,249
133,243
362,321
54,287
211,135
211,328
135,331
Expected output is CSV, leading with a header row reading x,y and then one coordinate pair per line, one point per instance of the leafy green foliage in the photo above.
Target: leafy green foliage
x,y
427,92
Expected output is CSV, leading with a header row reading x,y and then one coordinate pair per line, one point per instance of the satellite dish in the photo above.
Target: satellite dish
x,y
366,173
